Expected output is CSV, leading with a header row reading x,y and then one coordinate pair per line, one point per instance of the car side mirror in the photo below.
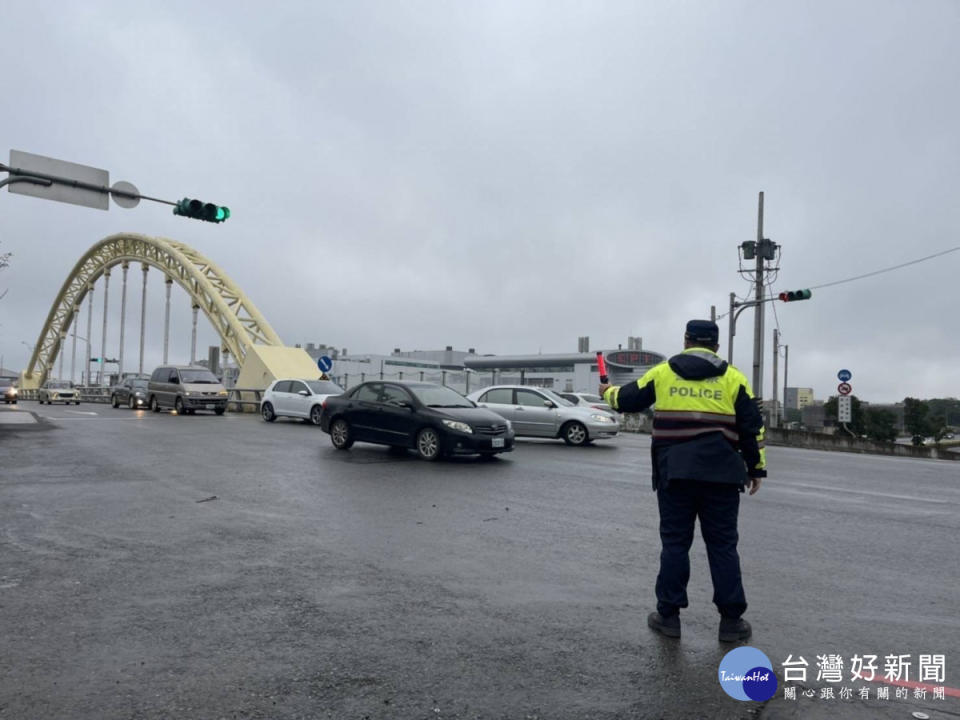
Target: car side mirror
x,y
549,404
405,404
304,393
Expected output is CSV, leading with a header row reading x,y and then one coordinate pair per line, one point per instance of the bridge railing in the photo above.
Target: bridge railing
x,y
244,400
239,399
87,394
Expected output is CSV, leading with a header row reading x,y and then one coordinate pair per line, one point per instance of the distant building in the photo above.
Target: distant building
x,y
813,416
798,398
466,371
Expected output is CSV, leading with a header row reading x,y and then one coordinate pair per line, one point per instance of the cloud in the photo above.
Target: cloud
x,y
512,176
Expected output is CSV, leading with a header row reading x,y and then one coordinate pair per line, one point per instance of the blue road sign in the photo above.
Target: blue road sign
x,y
844,376
324,363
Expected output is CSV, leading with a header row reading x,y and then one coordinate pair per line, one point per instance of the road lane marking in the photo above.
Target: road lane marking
x,y
872,493
81,412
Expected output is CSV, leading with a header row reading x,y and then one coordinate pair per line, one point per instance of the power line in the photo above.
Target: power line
x,y
894,267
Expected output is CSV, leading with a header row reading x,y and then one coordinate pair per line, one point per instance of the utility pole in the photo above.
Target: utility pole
x,y
758,311
786,357
774,412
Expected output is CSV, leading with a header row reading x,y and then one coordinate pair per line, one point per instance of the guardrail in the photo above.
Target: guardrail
x,y
87,394
239,399
244,400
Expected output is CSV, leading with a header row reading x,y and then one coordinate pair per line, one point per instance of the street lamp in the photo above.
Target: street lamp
x,y
73,359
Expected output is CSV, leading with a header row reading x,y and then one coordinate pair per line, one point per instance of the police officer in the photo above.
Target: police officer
x,y
707,446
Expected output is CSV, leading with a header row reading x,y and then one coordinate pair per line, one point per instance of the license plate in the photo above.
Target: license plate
x,y
210,407
496,442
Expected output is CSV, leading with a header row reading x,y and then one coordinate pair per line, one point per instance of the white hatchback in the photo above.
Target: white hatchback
x,y
297,398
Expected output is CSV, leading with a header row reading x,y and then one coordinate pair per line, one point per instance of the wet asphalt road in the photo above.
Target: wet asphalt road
x,y
361,584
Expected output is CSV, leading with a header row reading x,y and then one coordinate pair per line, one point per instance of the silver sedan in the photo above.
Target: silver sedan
x,y
539,412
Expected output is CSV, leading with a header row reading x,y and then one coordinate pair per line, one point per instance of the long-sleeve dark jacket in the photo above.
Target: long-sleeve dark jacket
x,y
706,425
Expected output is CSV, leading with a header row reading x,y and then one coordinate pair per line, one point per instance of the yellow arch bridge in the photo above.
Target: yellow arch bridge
x,y
244,332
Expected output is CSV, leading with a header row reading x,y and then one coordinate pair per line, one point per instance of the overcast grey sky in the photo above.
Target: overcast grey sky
x,y
510,175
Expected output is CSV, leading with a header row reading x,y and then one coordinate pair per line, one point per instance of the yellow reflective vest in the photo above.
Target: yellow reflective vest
x,y
706,424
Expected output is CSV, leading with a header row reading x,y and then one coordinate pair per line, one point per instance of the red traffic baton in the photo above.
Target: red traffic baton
x,y
602,366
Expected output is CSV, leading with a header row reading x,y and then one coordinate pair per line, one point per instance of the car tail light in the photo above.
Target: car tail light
x,y
324,404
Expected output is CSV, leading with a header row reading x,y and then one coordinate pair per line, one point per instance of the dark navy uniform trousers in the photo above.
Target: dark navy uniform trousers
x,y
717,505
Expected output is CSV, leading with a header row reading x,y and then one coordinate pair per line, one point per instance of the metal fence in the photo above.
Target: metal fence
x,y
87,394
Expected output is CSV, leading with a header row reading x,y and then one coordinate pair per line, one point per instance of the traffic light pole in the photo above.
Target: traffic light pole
x,y
758,316
39,170
39,178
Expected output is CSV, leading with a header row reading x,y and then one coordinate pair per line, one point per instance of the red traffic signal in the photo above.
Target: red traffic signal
x,y
792,295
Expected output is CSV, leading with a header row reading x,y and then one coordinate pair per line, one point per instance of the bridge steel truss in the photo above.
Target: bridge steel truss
x,y
229,310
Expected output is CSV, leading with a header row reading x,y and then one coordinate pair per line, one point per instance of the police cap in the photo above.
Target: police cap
x,y
703,332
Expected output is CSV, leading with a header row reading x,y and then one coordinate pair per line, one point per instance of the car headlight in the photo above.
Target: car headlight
x,y
13,391
187,394
138,394
223,393
459,426
602,418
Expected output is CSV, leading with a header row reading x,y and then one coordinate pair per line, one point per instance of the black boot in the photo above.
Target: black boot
x,y
734,629
669,626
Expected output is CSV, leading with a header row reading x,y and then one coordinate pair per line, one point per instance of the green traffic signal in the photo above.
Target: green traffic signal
x,y
199,210
793,295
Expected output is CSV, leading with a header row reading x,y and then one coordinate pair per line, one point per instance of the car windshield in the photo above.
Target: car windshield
x,y
139,384
591,398
57,384
198,377
440,396
562,402
324,387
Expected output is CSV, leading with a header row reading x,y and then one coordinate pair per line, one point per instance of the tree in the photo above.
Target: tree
x,y
949,408
880,425
915,419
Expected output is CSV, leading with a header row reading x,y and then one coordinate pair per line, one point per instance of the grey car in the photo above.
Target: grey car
x,y
586,400
540,412
131,391
8,389
186,389
58,391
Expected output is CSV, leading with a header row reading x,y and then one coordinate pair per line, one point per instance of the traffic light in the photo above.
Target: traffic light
x,y
792,295
94,359
199,210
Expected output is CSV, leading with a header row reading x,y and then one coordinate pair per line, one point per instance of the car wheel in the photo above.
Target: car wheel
x,y
316,412
114,401
77,402
178,406
340,434
574,433
132,403
220,410
267,412
154,405
428,444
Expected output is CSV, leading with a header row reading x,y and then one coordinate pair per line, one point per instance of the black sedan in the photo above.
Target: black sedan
x,y
432,419
131,391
